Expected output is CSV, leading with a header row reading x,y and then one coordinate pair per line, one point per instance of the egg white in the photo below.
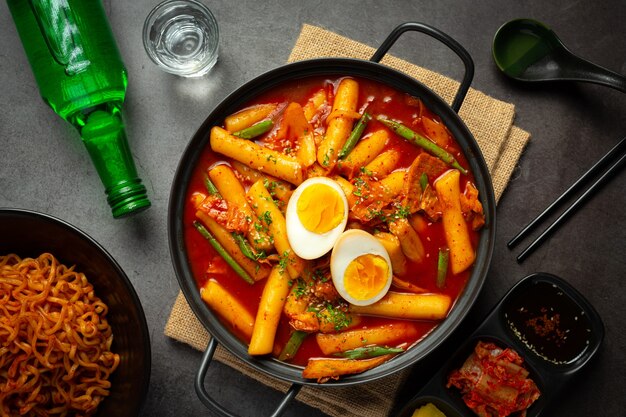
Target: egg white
x,y
307,244
352,244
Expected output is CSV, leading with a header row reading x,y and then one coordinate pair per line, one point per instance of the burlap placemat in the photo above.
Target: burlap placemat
x,y
491,123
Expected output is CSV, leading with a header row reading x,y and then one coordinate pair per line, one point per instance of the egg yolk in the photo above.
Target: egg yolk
x,y
366,276
320,208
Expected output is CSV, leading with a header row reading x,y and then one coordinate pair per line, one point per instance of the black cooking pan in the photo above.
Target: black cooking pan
x,y
333,67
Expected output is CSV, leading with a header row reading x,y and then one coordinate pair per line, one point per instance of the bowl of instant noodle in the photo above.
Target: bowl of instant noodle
x,y
73,335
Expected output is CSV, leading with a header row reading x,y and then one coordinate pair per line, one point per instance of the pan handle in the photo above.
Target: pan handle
x,y
446,40
217,408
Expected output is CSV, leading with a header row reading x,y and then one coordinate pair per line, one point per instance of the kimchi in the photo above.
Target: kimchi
x,y
494,382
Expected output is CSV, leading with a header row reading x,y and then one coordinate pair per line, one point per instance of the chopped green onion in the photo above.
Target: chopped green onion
x,y
210,187
246,249
423,181
354,137
368,352
223,252
442,267
243,245
292,346
255,130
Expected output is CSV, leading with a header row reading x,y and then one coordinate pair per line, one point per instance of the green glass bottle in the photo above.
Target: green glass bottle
x,y
81,75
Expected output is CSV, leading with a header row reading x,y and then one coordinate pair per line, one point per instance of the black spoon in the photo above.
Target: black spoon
x,y
527,50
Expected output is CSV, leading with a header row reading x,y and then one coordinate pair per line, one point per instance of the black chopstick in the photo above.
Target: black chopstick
x,y
597,167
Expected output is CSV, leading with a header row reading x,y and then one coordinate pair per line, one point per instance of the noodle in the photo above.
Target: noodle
x,y
55,341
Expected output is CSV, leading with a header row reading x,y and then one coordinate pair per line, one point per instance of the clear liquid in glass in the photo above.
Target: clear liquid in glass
x,y
182,37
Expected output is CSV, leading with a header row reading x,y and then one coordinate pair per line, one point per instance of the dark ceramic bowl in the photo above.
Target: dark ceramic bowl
x,y
29,234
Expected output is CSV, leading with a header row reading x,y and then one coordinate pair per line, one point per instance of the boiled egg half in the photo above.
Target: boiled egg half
x,y
360,268
317,214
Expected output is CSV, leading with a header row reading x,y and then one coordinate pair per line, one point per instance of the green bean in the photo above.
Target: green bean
x,y
354,137
442,267
255,130
368,352
422,142
222,252
292,346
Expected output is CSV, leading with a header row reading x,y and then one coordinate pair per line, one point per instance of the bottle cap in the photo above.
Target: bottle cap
x,y
105,138
128,197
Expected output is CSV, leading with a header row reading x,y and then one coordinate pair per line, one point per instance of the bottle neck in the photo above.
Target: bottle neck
x,y
102,131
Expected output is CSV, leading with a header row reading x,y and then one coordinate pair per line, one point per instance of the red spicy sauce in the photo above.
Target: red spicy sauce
x,y
383,100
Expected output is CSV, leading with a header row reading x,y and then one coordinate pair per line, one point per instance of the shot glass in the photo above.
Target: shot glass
x,y
182,37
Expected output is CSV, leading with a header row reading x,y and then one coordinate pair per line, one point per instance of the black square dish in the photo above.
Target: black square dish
x,y
547,322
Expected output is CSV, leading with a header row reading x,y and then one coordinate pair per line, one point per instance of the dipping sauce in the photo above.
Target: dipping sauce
x,y
549,323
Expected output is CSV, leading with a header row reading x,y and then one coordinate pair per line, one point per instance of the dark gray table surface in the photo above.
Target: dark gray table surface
x,y
44,167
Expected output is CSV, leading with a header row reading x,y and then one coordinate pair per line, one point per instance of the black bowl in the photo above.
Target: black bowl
x,y
29,234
